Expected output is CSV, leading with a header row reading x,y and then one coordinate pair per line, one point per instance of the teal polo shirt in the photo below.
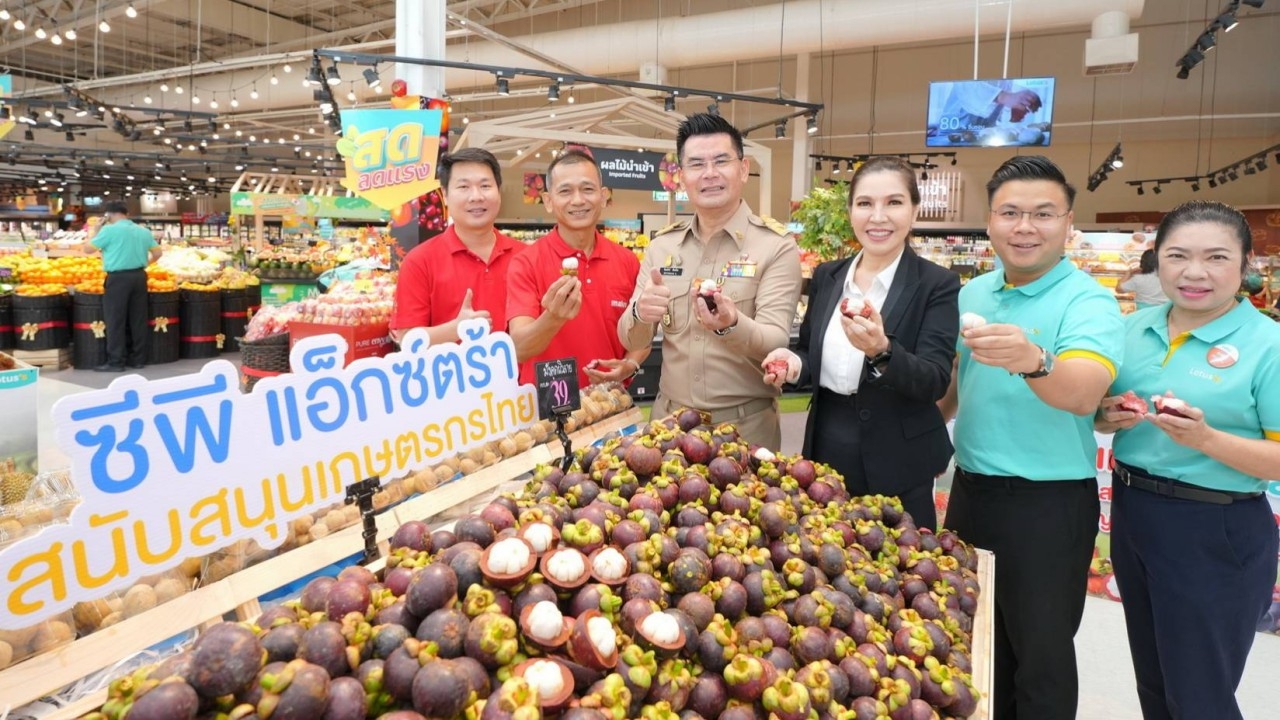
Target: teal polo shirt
x,y
1002,428
1229,368
124,245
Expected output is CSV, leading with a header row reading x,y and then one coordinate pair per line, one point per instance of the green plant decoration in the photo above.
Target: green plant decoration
x,y
825,219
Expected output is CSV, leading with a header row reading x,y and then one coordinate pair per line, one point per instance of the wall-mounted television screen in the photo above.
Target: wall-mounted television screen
x,y
1015,112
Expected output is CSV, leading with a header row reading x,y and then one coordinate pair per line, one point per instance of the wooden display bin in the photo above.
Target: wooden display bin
x,y
236,597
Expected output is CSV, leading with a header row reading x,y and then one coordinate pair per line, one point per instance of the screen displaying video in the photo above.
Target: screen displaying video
x,y
1016,112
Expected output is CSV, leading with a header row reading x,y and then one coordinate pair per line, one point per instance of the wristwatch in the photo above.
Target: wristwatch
x,y
1046,366
726,330
879,361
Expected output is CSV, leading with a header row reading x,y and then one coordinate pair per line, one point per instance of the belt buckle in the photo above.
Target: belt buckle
x,y
1122,472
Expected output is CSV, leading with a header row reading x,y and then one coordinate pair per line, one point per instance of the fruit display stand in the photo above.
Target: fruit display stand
x,y
238,594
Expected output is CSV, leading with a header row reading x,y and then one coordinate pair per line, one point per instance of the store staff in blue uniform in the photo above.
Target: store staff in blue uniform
x,y
1193,540
1028,386
127,249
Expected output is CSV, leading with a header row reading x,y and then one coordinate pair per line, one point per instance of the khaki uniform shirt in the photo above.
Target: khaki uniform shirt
x,y
757,263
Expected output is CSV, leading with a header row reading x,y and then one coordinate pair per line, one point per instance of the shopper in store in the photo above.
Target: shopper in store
x,y
877,379
569,289
1143,282
127,248
711,352
461,273
1030,377
1193,540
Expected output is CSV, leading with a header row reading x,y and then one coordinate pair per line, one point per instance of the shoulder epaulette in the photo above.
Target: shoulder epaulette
x,y
680,225
774,225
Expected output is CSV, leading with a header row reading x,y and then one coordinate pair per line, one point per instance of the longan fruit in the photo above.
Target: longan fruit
x,y
139,599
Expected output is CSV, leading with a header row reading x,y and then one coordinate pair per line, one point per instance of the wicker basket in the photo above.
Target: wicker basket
x,y
267,357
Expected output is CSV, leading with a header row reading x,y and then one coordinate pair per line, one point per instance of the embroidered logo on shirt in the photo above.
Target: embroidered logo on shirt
x,y
1223,356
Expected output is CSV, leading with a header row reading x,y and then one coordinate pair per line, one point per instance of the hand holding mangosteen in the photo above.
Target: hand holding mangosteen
x,y
603,371
865,328
715,311
1123,411
563,299
781,366
1003,346
1182,422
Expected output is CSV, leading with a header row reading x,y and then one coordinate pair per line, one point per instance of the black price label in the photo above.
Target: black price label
x,y
557,383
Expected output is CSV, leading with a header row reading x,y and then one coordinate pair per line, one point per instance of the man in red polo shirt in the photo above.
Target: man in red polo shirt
x,y
569,289
462,272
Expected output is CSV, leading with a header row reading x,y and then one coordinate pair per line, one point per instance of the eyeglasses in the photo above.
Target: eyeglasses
x,y
698,165
1008,216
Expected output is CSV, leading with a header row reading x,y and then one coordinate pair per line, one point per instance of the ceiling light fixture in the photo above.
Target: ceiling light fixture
x,y
811,124
70,34
4,14
553,92
780,131
315,76
19,25
146,99
56,39
274,80
130,11
178,89
332,77
1156,189
164,87
371,77
253,94
504,86
104,26
669,103
40,33
287,68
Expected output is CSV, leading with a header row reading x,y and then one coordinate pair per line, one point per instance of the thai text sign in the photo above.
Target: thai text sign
x,y
628,169
177,468
391,154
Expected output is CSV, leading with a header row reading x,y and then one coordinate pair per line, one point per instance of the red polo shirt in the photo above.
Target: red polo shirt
x,y
435,276
608,277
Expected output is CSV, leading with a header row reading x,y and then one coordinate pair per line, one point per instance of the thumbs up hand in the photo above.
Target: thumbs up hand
x,y
467,312
653,300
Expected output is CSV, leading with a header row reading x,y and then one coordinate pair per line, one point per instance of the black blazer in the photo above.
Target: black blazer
x,y
904,437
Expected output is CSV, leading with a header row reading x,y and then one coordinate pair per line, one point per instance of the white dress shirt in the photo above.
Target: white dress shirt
x,y
841,361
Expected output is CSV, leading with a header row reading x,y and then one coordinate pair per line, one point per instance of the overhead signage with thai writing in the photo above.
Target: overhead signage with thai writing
x,y
177,468
390,154
628,169
338,207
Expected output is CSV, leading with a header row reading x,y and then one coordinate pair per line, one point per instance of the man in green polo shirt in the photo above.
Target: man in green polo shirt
x,y
1029,380
127,249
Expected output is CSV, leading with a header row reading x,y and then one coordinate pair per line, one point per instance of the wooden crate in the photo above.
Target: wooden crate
x,y
984,635
45,359
238,594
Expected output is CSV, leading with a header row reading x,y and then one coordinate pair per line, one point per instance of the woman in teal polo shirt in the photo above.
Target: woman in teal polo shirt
x,y
1193,539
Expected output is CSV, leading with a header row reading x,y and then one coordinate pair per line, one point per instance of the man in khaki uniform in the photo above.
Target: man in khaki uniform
x,y
711,354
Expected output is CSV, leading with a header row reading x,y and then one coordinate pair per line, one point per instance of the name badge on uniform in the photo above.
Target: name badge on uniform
x,y
741,269
671,268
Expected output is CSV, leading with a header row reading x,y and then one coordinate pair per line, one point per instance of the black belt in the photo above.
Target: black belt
x,y
117,272
1138,478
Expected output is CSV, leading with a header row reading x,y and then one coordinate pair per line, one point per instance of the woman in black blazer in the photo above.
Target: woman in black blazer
x,y
877,378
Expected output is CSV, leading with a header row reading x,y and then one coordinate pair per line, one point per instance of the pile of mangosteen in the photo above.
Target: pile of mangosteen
x,y
674,573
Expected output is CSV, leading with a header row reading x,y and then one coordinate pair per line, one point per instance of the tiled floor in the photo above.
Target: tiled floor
x,y
1106,675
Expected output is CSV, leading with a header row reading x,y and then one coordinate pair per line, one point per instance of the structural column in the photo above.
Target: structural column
x,y
420,28
801,141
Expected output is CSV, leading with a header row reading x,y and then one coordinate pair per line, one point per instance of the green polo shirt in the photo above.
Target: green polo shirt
x,y
1002,428
1229,368
124,245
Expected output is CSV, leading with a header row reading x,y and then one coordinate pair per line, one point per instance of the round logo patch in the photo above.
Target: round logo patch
x,y
1223,356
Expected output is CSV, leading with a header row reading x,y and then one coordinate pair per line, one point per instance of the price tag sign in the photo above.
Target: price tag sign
x,y
557,383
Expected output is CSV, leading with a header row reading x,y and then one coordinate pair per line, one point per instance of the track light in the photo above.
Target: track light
x,y
71,137
1206,42
1184,72
332,77
29,136
371,77
835,167
1118,162
315,76
811,124
1213,183
1249,169
1156,189
1141,190
669,103
714,109
1254,3
1195,186
817,165
1194,56
504,86
56,120
1233,174
553,92
848,166
1262,162
780,131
